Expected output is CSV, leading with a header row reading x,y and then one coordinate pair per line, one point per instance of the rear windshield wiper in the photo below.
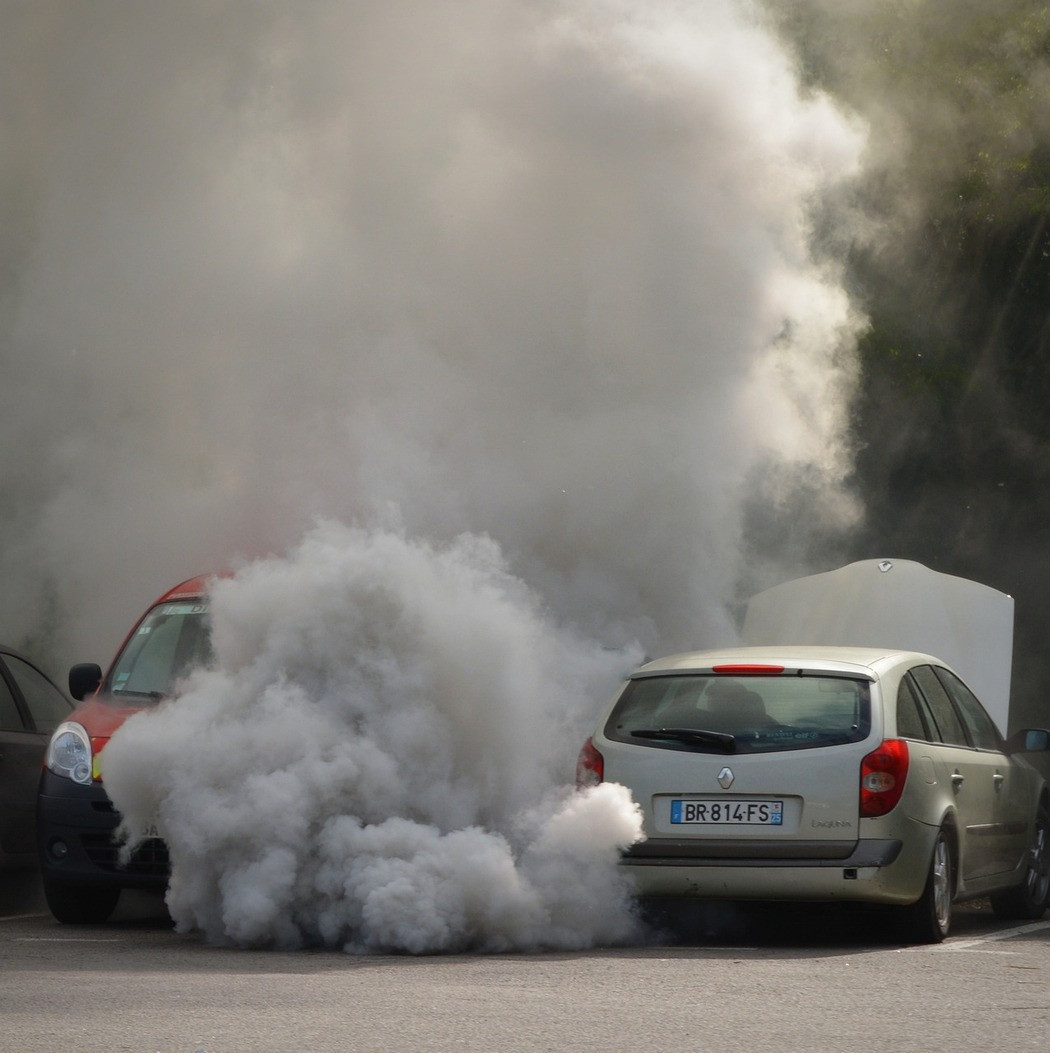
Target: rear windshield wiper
x,y
694,736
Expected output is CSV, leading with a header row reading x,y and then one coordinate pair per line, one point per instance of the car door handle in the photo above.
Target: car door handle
x,y
957,781
998,778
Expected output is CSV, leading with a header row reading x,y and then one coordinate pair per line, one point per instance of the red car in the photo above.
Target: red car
x,y
79,864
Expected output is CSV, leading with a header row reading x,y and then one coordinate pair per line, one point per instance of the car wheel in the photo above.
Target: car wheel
x,y
80,904
1030,898
930,917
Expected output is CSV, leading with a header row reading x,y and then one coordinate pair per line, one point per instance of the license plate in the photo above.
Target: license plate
x,y
728,812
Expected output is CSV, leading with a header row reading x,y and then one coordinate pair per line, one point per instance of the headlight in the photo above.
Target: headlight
x,y
69,753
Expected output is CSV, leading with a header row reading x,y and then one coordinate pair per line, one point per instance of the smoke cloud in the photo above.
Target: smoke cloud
x,y
537,271
371,762
523,295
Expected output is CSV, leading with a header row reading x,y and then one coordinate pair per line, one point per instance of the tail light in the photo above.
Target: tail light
x,y
590,766
882,776
747,670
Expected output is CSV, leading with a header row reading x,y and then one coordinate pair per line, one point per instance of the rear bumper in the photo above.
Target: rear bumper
x,y
76,827
867,870
665,852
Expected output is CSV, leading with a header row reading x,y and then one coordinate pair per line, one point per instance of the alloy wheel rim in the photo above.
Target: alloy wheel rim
x,y
1039,864
942,898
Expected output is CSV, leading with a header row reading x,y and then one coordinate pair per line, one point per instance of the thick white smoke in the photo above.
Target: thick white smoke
x,y
370,762
534,272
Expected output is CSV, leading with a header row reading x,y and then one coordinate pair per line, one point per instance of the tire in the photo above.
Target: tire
x,y
1030,899
930,917
80,904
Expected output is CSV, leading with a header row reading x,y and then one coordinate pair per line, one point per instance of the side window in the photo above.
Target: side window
x,y
10,718
910,721
978,723
47,705
948,723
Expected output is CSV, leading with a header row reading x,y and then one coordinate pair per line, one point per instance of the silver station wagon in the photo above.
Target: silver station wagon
x,y
826,773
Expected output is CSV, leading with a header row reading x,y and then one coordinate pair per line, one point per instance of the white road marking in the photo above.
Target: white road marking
x,y
992,937
67,939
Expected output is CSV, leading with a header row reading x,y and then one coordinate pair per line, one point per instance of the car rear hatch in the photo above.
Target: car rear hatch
x,y
743,762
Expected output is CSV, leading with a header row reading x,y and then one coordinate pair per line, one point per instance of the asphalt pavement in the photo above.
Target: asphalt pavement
x,y
750,981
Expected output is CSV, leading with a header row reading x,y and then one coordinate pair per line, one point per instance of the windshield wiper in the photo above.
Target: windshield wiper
x,y
155,695
694,736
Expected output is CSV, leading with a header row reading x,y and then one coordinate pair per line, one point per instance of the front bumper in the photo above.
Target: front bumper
x,y
76,826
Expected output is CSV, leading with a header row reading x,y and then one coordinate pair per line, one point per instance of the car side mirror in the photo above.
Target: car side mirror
x,y
1030,740
84,680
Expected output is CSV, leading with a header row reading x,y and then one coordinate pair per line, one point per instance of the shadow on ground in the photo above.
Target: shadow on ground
x,y
21,893
686,923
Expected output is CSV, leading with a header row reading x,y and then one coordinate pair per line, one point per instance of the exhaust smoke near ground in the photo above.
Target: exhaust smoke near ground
x,y
371,763
521,293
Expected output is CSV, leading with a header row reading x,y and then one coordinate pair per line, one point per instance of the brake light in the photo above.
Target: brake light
x,y
590,767
882,776
747,670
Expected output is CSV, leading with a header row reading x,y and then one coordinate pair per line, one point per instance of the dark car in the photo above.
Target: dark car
x,y
79,859
31,707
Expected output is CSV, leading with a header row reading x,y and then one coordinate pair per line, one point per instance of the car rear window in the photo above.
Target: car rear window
x,y
761,714
171,639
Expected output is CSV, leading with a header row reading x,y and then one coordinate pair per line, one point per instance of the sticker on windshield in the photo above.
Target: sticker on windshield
x,y
184,608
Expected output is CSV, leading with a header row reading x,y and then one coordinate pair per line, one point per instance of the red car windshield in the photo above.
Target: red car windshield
x,y
171,639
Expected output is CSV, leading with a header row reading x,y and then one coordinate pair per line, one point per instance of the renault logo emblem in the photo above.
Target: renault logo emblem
x,y
725,778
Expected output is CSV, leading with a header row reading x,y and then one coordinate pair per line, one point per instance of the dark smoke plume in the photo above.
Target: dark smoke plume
x,y
947,243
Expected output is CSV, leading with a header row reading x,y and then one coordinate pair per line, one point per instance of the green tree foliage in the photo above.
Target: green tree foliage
x,y
947,239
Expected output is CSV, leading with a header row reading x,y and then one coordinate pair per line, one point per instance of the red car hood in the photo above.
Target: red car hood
x,y
100,720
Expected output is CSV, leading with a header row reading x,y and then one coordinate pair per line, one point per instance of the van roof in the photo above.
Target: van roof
x,y
191,587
